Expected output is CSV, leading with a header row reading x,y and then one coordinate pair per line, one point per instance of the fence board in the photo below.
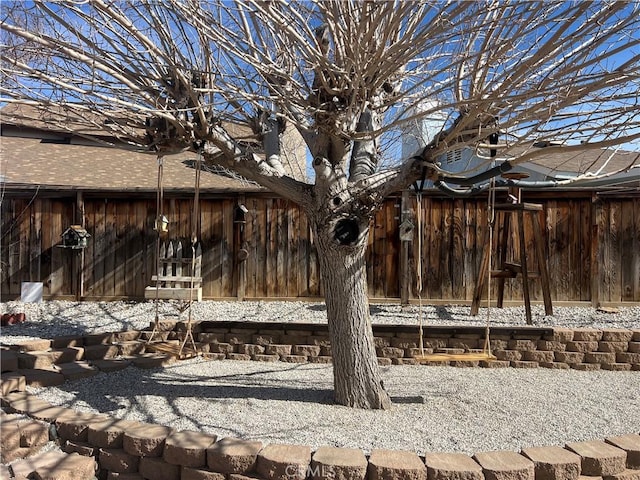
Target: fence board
x,y
573,250
601,291
272,248
99,250
216,236
206,214
281,248
379,231
615,235
458,252
586,222
392,244
61,264
294,261
121,275
136,249
282,260
535,284
262,245
35,240
48,244
13,248
250,245
433,269
228,250
302,249
552,243
315,285
24,256
628,242
446,249
110,255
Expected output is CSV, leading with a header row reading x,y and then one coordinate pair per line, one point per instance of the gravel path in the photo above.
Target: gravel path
x,y
436,408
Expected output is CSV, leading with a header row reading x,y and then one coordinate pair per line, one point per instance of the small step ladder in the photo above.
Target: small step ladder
x,y
178,278
511,269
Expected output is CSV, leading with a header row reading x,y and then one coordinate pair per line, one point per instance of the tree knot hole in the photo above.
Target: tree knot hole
x,y
346,231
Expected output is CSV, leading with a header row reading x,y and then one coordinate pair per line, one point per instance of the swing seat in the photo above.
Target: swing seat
x,y
181,352
447,357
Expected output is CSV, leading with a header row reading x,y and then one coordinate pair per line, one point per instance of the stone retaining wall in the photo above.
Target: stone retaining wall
x,y
518,347
48,362
127,450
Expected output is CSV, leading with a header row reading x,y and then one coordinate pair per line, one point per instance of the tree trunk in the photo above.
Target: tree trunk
x,y
357,381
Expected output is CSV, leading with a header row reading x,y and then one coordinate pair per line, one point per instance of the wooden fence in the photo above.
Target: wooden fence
x,y
592,246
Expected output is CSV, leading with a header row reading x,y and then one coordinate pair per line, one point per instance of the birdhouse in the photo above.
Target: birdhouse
x,y
406,230
75,237
240,214
161,224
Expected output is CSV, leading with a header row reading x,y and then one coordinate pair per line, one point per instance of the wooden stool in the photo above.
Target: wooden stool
x,y
507,269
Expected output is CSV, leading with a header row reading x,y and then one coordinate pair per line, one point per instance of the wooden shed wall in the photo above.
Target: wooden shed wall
x,y
592,248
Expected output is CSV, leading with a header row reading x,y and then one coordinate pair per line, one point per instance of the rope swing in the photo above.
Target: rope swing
x,y
175,287
468,356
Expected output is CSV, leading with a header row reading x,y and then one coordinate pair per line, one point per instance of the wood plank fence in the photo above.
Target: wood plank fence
x,y
592,244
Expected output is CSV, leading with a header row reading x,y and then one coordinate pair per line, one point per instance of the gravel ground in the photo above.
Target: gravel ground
x,y
435,408
52,318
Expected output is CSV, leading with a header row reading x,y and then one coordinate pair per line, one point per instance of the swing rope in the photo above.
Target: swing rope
x,y
491,221
195,223
159,217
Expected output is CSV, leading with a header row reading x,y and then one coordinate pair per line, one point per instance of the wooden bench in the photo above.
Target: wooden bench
x,y
179,277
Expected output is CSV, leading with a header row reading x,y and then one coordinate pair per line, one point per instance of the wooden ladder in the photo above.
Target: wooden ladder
x,y
511,269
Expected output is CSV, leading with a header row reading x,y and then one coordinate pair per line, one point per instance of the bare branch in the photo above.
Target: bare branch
x,y
349,76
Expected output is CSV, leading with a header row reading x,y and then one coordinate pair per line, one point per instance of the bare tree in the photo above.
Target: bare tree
x,y
166,76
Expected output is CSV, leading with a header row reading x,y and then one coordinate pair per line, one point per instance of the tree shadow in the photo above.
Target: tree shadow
x,y
317,307
443,314
63,320
123,395
98,392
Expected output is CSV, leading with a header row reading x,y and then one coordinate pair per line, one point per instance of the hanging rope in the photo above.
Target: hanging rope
x,y
491,221
158,227
195,227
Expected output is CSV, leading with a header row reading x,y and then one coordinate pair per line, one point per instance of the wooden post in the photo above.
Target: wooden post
x,y
502,255
542,264
524,267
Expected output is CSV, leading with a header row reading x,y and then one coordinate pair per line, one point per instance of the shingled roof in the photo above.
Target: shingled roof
x,y
565,163
37,153
36,162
